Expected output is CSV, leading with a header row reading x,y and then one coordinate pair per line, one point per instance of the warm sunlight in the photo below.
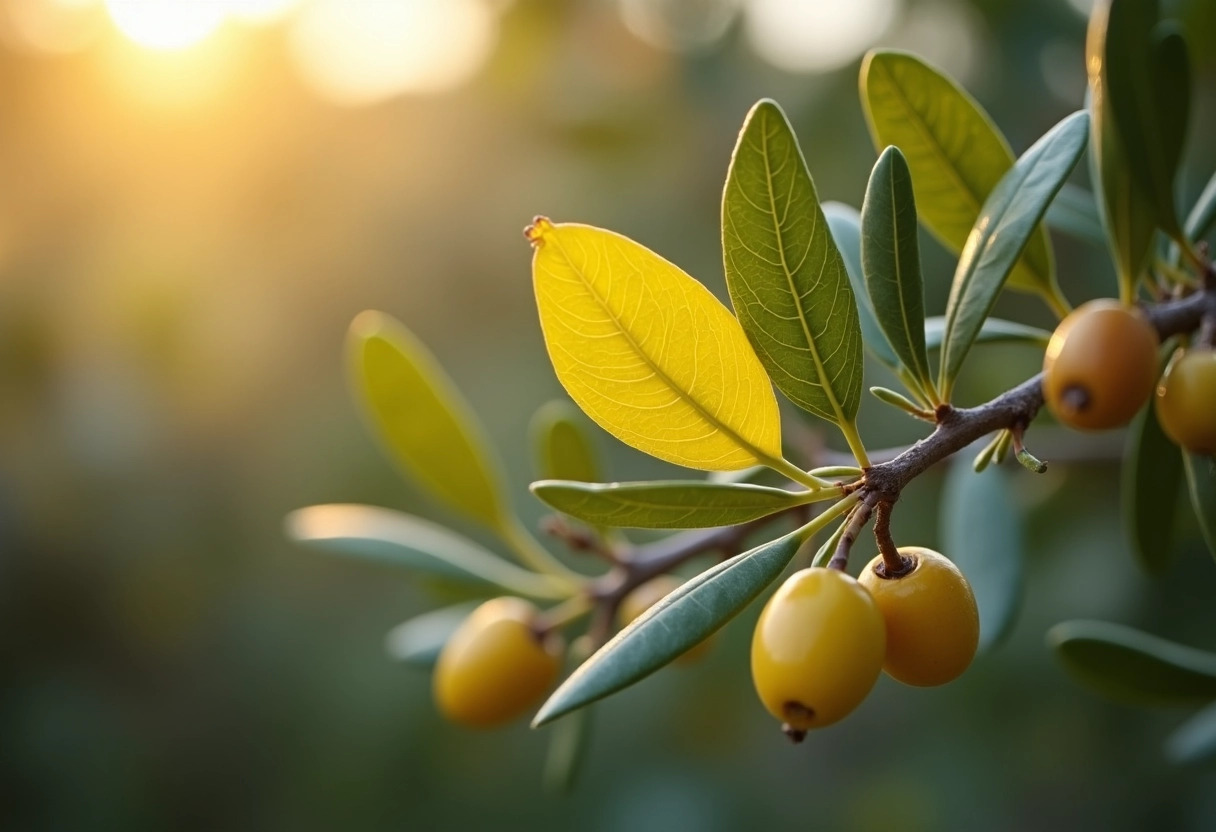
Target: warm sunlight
x,y
166,24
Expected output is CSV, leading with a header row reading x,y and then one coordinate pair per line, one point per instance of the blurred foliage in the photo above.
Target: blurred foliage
x,y
180,261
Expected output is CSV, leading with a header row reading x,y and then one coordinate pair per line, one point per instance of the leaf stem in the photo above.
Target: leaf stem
x,y
1059,304
559,615
536,556
793,472
849,429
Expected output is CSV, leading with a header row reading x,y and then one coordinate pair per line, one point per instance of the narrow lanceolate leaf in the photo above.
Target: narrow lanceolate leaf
x,y
422,419
1006,222
1151,481
649,353
1125,206
890,259
1203,213
1075,212
1133,666
844,222
982,530
1194,741
678,504
418,641
994,331
1201,482
567,751
563,447
786,278
1145,82
667,630
392,537
954,150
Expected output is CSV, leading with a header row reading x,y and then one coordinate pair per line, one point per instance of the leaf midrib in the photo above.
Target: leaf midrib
x,y
760,455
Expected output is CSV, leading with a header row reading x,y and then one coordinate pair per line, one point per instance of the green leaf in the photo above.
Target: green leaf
x,y
1008,219
1151,480
417,642
649,353
955,152
1194,741
422,420
982,533
388,536
845,224
994,331
684,618
1140,70
1075,212
890,258
1126,211
676,504
564,448
786,278
1203,213
1132,666
1201,483
567,752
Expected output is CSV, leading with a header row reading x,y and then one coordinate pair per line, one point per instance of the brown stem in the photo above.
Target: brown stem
x,y
893,563
857,522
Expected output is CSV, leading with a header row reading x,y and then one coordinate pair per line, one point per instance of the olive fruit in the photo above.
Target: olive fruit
x,y
817,650
1186,400
494,666
933,624
1100,366
646,596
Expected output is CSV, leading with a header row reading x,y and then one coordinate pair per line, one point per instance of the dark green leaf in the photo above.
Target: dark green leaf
x,y
786,278
845,224
1151,480
1008,219
994,330
890,259
568,745
1194,741
1172,101
674,504
564,449
982,534
1075,212
1132,666
1201,483
956,153
388,536
1203,213
418,641
672,626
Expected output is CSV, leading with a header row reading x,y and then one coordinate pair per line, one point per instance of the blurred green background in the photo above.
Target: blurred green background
x,y
195,200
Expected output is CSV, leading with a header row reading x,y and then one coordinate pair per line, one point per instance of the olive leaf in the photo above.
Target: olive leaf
x,y
1194,741
388,536
649,353
564,449
982,532
667,630
1132,666
1075,212
567,751
844,222
419,641
786,278
1151,480
994,331
1006,222
1201,483
890,259
676,504
1203,212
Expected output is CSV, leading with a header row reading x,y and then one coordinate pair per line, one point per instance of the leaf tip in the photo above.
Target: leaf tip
x,y
368,324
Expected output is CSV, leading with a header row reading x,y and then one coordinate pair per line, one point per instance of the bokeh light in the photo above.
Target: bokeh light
x,y
680,25
364,52
166,24
816,35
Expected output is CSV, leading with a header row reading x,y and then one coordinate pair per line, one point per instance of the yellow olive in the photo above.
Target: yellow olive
x,y
494,667
817,649
646,596
1100,366
1186,400
933,624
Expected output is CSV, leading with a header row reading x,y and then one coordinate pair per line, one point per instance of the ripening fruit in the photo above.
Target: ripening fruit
x,y
817,649
1100,366
1186,400
494,667
646,596
933,624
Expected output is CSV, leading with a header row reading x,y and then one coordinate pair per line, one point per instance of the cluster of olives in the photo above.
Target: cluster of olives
x,y
1101,367
824,636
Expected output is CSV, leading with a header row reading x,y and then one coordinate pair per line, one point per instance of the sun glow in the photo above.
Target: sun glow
x,y
166,25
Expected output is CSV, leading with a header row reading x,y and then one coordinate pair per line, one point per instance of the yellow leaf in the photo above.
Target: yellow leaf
x,y
649,353
422,419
